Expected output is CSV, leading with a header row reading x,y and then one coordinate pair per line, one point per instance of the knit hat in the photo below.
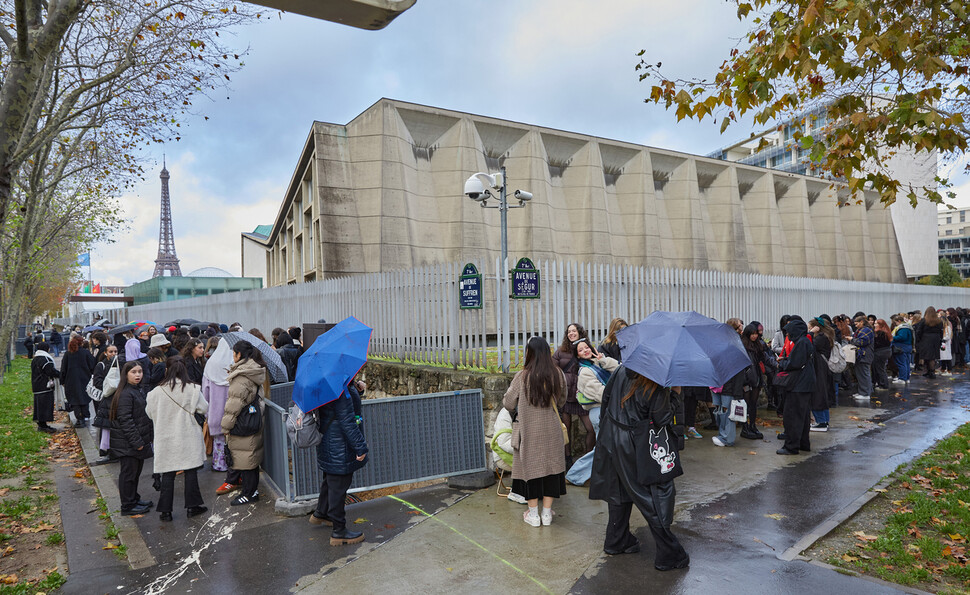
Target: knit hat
x,y
223,328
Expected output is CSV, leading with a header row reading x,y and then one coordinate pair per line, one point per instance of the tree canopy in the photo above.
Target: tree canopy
x,y
891,74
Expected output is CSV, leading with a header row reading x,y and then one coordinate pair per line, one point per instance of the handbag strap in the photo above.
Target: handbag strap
x,y
176,402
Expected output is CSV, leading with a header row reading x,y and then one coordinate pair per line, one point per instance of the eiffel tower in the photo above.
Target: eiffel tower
x,y
167,260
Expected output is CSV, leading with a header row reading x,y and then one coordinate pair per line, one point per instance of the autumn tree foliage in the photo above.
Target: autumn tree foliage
x,y
892,73
86,86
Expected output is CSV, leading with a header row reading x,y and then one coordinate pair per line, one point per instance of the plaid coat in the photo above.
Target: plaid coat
x,y
537,441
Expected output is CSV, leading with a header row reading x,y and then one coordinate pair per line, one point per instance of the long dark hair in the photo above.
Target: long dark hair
x,y
542,376
186,352
122,385
175,371
567,345
246,351
639,383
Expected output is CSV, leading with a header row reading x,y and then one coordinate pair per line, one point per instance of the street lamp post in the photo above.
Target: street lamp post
x,y
479,188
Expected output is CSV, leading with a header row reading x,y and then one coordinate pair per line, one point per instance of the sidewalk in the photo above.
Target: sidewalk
x,y
438,539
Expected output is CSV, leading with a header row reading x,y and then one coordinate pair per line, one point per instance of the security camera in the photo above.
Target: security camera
x,y
523,196
475,187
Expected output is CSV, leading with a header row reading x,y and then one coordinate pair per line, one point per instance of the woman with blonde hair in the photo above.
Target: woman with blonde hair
x,y
538,462
609,347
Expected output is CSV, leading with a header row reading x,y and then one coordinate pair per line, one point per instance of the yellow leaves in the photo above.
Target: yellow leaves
x,y
776,516
957,538
716,517
110,546
8,579
7,551
849,558
811,13
360,521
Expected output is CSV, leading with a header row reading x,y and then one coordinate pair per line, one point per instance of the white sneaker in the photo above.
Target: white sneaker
x,y
819,428
898,381
531,517
717,441
861,397
517,498
546,517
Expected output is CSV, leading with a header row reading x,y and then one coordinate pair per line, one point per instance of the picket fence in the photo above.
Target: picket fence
x,y
416,317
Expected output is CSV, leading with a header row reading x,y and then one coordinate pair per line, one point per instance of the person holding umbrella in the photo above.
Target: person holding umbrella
x,y
342,450
800,365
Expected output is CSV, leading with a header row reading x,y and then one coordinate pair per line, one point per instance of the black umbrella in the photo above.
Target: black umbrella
x,y
183,322
122,329
277,371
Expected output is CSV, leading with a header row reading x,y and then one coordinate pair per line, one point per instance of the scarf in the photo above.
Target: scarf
x,y
601,374
133,350
217,368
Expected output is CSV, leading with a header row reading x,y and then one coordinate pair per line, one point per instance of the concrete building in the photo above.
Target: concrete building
x,y
777,149
953,237
384,192
254,257
204,281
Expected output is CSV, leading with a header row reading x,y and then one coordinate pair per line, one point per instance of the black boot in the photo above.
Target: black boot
x,y
345,536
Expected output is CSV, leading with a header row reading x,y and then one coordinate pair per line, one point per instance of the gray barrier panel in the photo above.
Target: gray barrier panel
x,y
412,438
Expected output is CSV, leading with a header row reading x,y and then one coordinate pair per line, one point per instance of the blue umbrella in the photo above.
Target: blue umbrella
x,y
330,363
682,349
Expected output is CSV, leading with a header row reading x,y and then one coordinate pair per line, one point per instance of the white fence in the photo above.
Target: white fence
x,y
416,316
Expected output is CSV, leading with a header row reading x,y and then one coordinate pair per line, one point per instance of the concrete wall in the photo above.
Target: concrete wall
x,y
384,193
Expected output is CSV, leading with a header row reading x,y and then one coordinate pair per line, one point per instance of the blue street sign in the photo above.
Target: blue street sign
x,y
525,280
470,288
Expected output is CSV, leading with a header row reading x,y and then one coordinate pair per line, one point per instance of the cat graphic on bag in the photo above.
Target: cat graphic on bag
x,y
659,451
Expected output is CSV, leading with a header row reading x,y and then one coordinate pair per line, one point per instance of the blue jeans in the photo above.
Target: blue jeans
x,y
727,431
903,361
821,416
55,350
582,469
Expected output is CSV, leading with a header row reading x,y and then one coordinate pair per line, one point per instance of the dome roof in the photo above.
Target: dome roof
x,y
209,272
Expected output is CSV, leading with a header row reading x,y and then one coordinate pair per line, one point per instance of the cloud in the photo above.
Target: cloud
x,y
206,224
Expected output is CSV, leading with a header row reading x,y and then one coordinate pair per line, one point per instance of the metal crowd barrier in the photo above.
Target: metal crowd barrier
x,y
410,439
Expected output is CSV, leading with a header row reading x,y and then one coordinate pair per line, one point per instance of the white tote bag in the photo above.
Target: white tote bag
x,y
738,410
111,380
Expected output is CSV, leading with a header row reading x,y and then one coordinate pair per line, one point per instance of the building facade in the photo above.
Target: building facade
x,y
206,281
953,238
777,149
384,192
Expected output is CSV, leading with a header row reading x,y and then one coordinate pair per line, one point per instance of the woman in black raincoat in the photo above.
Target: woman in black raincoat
x,y
629,402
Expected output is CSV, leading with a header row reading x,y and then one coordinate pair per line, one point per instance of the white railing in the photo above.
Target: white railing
x,y
416,317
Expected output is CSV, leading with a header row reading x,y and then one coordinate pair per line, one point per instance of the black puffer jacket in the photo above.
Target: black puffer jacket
x,y
800,362
131,428
343,439
290,354
103,407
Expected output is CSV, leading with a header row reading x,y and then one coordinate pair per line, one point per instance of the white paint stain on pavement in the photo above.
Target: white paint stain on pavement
x,y
216,529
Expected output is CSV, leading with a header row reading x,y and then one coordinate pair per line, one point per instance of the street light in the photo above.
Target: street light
x,y
480,187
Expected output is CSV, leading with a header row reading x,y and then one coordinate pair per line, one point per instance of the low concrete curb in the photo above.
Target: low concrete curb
x,y
294,509
139,556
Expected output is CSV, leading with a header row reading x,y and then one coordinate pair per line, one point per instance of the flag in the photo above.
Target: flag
x,y
97,288
84,260
87,287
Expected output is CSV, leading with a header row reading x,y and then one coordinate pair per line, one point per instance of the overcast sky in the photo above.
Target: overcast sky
x,y
566,64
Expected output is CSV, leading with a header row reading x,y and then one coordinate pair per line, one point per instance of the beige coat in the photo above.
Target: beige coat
x,y
590,385
178,437
244,380
539,451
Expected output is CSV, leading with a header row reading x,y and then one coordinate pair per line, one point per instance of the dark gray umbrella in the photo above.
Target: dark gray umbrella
x,y
183,322
122,329
274,365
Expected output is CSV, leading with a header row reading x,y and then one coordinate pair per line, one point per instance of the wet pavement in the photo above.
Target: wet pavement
x,y
438,539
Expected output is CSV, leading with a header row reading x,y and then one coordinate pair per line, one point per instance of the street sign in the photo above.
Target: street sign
x,y
525,280
470,288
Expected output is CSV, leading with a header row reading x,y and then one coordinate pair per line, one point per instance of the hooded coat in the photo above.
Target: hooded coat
x,y
799,362
215,385
343,440
614,476
245,381
42,372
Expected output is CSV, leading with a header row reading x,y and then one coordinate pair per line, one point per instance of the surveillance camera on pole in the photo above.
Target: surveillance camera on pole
x,y
479,187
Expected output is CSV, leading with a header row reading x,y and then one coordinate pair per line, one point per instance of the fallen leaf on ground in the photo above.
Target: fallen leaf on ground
x,y
752,452
855,452
137,516
849,558
716,516
880,490
776,515
110,546
359,521
7,551
862,535
389,526
957,538
946,551
4,492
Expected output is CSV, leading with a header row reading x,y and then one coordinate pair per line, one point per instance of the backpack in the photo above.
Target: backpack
x,y
250,419
302,428
836,361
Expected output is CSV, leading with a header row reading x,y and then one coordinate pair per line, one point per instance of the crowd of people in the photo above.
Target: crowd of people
x,y
177,395
799,373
